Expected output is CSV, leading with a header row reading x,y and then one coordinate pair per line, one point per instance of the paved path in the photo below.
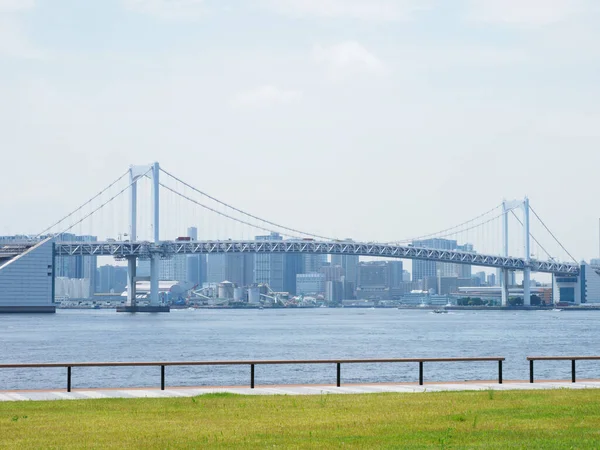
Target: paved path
x,y
80,394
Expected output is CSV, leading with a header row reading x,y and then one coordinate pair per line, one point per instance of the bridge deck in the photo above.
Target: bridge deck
x,y
168,249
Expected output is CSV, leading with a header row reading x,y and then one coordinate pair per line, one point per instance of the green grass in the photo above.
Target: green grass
x,y
502,419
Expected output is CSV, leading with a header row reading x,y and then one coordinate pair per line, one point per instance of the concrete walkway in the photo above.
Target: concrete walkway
x,y
80,394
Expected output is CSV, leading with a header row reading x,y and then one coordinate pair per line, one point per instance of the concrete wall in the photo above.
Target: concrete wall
x,y
27,280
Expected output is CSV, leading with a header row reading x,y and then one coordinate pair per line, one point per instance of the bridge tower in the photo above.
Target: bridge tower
x,y
508,206
135,173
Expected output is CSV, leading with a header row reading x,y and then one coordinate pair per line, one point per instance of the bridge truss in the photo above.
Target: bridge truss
x,y
168,249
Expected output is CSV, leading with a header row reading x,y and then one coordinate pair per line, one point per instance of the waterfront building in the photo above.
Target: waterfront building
x,y
310,283
27,280
269,267
578,290
80,267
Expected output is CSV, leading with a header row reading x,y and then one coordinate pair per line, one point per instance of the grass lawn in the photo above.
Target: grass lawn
x,y
490,419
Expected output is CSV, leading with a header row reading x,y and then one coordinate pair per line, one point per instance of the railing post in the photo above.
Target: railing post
x,y
531,370
162,378
339,374
573,370
420,373
68,378
499,371
251,376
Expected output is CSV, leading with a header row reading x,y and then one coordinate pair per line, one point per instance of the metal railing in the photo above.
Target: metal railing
x,y
531,359
338,363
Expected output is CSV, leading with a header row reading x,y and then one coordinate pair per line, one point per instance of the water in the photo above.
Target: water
x,y
104,335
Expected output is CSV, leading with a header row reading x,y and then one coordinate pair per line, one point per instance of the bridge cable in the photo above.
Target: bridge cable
x,y
103,204
244,212
452,228
532,237
221,213
474,226
82,206
552,234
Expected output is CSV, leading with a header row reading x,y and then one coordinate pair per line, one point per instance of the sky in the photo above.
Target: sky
x,y
371,119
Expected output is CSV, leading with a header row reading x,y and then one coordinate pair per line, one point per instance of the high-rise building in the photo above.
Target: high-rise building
x,y
491,279
81,267
269,267
349,264
293,266
313,262
195,265
332,273
111,279
192,232
482,277
395,273
406,276
239,268
216,268
196,269
423,269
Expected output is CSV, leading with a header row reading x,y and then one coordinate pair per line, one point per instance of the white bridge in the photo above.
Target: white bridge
x,y
167,249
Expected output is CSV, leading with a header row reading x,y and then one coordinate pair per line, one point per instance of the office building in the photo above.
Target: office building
x,y
313,262
216,268
269,267
310,283
349,264
111,279
332,273
196,269
79,267
239,268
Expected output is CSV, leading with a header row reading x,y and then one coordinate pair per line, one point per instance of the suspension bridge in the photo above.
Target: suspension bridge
x,y
120,207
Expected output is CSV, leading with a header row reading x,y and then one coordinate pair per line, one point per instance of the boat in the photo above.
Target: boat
x,y
440,311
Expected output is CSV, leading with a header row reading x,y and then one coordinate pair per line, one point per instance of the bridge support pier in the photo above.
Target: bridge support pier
x,y
504,286
131,274
527,287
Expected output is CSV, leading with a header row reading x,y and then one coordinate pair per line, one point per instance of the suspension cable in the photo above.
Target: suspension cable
x,y
474,226
532,237
82,206
244,212
102,205
223,214
552,234
454,227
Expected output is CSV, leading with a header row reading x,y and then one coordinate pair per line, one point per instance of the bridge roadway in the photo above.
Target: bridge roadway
x,y
168,249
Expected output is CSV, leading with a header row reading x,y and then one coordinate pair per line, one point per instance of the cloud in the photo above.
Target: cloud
x,y
378,10
524,13
348,57
265,96
169,9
